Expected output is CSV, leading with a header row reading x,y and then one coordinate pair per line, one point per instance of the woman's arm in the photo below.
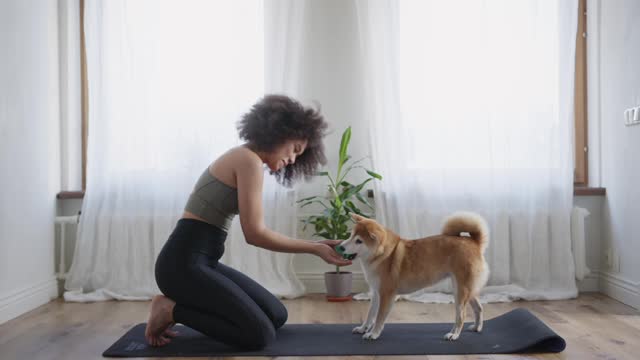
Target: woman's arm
x,y
249,179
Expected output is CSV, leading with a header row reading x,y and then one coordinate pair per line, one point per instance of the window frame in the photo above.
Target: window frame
x,y
84,93
581,167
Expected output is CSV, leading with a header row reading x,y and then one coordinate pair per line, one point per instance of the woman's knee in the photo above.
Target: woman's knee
x,y
258,337
280,316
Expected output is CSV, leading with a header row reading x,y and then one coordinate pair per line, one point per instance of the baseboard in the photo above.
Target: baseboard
x,y
590,283
27,299
314,282
619,288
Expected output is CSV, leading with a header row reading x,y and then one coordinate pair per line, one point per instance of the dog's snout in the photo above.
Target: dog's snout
x,y
341,248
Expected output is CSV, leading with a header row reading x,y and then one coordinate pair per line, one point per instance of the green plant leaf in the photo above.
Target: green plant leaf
x,y
359,161
307,198
314,201
375,175
351,206
363,200
322,173
351,167
343,157
325,235
353,190
322,228
344,144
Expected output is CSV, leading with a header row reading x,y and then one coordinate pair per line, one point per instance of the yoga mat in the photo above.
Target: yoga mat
x,y
517,331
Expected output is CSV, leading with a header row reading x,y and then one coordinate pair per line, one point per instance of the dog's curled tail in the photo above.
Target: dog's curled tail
x,y
469,222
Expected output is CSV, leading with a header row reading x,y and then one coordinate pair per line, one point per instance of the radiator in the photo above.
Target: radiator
x,y
63,222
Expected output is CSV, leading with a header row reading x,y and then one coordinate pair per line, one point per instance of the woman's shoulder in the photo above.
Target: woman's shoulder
x,y
239,157
244,156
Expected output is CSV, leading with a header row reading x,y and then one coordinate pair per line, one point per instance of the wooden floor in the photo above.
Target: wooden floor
x,y
595,326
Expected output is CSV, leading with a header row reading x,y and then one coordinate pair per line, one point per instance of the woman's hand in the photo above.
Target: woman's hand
x,y
328,254
331,243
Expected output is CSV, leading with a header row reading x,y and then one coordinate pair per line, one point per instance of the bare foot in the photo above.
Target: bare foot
x,y
158,331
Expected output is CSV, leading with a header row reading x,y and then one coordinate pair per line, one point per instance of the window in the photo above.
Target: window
x,y
487,91
581,148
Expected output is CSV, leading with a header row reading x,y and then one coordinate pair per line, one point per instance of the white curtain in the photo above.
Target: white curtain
x,y
470,105
168,80
283,20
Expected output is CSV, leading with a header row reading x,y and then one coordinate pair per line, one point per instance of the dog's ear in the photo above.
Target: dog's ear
x,y
373,236
356,217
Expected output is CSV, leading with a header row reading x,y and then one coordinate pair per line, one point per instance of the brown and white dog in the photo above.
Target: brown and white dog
x,y
394,266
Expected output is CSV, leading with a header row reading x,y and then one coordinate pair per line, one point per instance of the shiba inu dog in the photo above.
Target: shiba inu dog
x,y
393,265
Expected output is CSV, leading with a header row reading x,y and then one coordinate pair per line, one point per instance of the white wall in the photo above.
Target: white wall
x,y
614,67
29,153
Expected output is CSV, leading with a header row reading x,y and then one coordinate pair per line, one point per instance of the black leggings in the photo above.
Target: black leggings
x,y
211,297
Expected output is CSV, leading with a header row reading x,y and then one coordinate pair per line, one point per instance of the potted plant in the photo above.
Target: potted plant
x,y
337,207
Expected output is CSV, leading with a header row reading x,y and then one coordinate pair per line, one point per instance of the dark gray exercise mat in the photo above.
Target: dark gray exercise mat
x,y
517,331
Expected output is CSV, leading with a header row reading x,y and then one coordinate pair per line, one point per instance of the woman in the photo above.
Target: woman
x,y
206,295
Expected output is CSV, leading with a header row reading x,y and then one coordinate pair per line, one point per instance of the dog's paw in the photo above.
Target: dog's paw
x,y
451,336
371,335
475,328
359,330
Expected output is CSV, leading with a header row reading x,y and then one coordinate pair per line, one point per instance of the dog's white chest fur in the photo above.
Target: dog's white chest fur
x,y
370,276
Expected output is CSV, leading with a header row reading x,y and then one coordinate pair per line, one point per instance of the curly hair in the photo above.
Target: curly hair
x,y
276,119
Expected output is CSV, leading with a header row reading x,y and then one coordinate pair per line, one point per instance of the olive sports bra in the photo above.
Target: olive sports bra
x,y
214,201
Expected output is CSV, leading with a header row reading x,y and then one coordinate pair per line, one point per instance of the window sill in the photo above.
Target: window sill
x,y
64,195
577,191
589,191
